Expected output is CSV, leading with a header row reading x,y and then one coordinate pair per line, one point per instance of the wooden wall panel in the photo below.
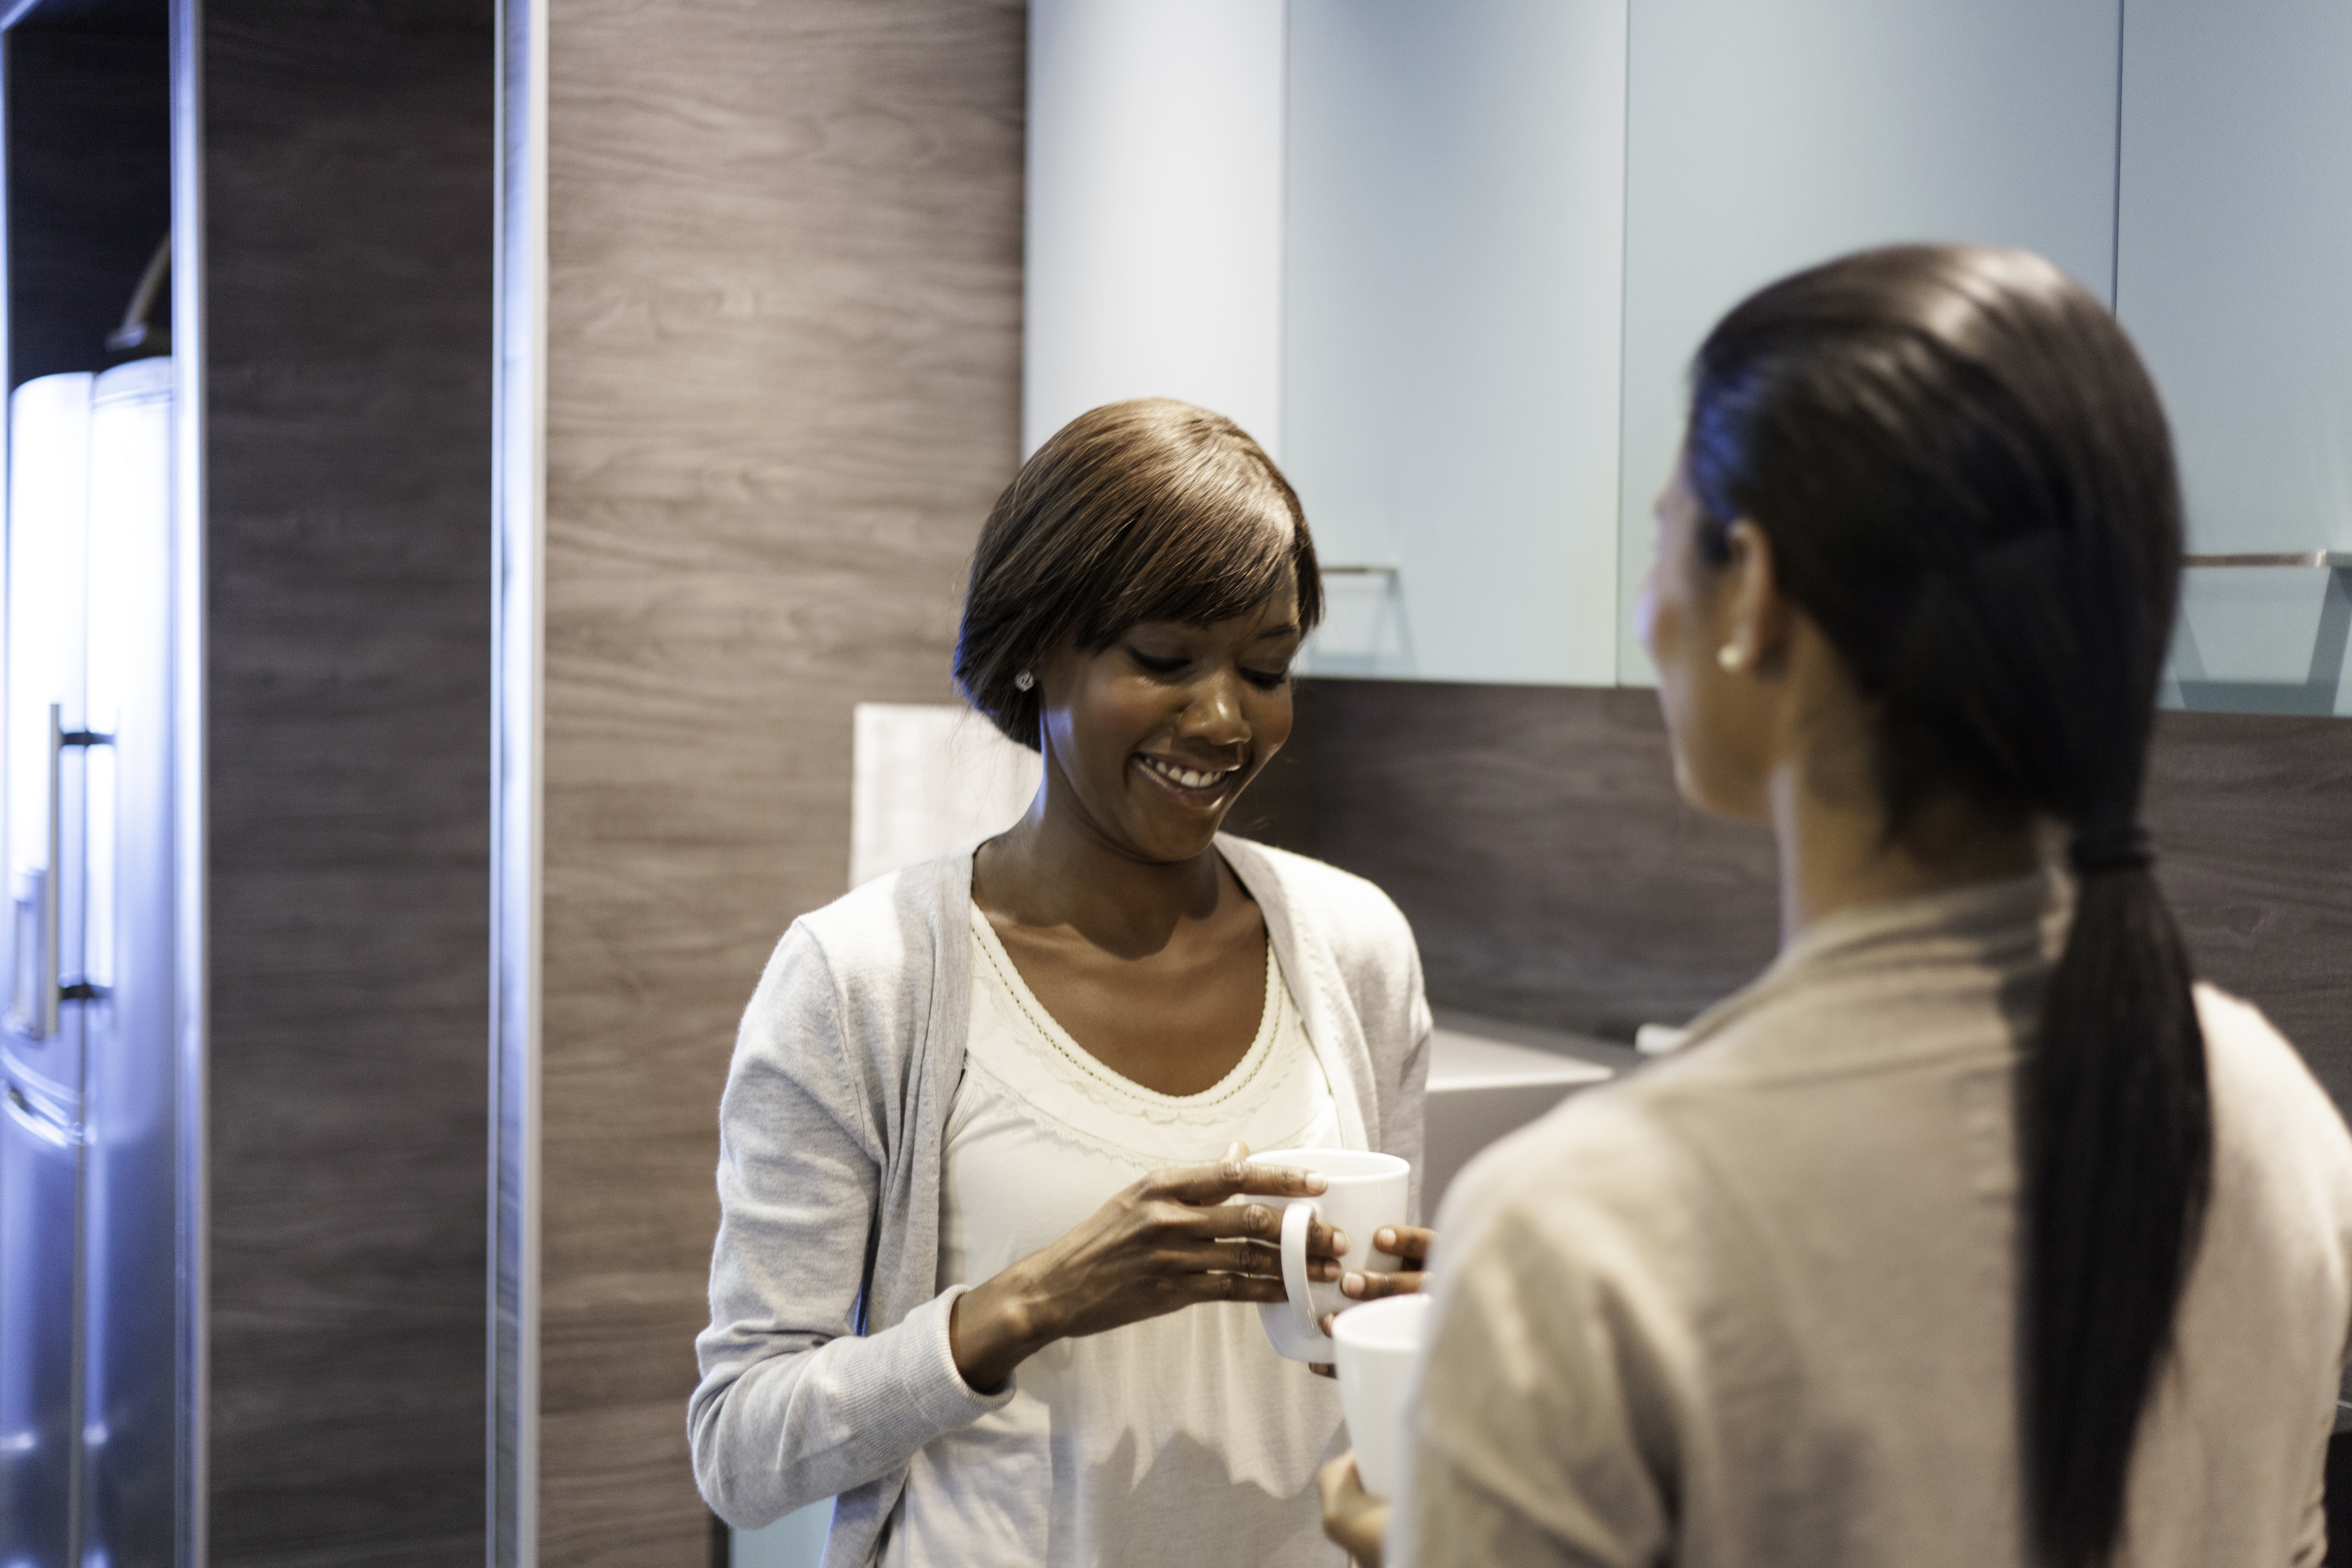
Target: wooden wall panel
x,y
349,155
2252,819
1534,837
784,372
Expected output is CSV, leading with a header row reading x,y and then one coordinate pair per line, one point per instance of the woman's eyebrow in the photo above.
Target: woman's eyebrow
x,y
1288,628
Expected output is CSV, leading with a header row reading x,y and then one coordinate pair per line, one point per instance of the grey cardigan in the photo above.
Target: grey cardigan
x,y
827,1363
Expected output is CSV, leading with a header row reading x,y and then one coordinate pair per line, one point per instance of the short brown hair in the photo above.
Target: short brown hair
x,y
1149,510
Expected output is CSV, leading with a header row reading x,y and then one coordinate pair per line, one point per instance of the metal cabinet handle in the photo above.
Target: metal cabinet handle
x,y
32,1010
2335,560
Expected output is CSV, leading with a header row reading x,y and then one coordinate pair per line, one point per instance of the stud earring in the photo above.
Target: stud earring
x,y
1729,656
1023,680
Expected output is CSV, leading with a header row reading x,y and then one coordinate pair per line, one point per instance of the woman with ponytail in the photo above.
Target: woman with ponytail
x,y
1975,1232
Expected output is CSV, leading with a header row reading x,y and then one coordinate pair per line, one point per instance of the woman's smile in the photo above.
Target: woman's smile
x,y
1201,786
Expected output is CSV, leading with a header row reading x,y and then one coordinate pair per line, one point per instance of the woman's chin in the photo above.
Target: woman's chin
x,y
1170,839
1166,817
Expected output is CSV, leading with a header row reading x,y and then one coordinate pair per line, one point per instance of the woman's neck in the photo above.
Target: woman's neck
x,y
1052,868
1835,853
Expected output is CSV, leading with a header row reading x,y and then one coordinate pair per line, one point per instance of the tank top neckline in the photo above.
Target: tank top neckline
x,y
1073,1057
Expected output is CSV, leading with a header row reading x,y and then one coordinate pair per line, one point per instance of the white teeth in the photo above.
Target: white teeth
x,y
1185,776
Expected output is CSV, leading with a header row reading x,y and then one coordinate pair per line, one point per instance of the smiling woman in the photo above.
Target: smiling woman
x,y
978,1274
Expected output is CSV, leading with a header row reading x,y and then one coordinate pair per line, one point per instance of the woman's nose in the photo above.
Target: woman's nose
x,y
1216,714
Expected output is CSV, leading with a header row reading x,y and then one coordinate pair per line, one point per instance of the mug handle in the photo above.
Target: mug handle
x,y
1295,1283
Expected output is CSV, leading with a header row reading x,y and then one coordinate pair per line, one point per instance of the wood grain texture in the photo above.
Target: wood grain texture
x,y
349,156
783,373
2252,819
1534,837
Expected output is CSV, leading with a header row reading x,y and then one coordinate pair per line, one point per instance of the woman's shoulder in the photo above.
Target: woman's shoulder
x,y
2264,1094
880,941
883,920
1348,912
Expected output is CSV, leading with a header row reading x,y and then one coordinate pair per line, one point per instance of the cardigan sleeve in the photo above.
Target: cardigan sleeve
x,y
1404,1112
796,1403
1381,964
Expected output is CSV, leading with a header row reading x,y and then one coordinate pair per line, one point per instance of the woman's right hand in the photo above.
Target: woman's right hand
x,y
1353,1520
1169,1241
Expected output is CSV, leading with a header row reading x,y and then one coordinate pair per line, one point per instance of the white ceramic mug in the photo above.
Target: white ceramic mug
x,y
1377,1342
1367,1191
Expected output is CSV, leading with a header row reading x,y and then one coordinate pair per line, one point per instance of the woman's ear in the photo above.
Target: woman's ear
x,y
1754,616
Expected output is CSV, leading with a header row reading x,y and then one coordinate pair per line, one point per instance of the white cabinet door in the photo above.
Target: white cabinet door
x,y
1764,135
1153,266
2234,276
1454,193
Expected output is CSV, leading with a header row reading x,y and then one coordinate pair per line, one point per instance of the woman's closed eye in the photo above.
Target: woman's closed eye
x,y
1158,663
1167,665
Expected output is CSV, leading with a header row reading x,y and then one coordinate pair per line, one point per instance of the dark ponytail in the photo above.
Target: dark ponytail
x,y
1968,485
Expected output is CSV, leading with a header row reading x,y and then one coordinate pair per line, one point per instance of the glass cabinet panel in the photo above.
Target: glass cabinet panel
x,y
1763,138
2234,276
1454,245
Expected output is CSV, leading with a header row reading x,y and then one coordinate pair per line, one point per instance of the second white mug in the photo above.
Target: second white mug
x,y
1378,1345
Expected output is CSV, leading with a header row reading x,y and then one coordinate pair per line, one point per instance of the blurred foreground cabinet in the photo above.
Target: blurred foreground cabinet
x,y
247,334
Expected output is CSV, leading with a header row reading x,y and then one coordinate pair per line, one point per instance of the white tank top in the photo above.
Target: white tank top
x,y
1180,1442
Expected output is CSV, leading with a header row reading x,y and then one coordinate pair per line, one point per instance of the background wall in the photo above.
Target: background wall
x,y
783,387
1534,837
349,158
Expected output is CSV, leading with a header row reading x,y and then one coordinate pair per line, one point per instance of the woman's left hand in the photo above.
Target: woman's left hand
x,y
1353,1518
1406,1243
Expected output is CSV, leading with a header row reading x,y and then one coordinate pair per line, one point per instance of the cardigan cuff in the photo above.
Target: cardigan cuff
x,y
943,1400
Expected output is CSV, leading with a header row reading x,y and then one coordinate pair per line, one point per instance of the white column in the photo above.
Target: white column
x,y
1154,223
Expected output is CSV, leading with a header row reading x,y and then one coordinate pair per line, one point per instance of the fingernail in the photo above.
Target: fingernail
x,y
1317,1182
1352,1285
1338,1241
1385,1240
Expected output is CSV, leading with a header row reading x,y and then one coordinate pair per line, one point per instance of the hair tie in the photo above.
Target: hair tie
x,y
2111,847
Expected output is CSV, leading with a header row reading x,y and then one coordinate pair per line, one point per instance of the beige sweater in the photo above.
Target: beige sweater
x,y
1756,1306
